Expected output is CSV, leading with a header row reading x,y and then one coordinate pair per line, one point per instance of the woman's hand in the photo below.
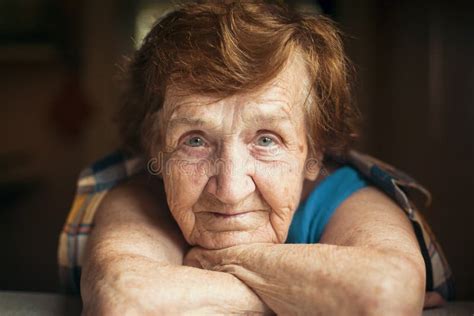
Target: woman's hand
x,y
368,263
134,285
215,260
133,264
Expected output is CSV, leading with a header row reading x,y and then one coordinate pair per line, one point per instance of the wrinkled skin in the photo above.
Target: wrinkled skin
x,y
235,167
234,172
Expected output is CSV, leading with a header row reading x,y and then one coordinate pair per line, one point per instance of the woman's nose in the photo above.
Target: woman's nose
x,y
232,179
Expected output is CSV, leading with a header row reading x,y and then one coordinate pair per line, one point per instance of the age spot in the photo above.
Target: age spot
x,y
301,148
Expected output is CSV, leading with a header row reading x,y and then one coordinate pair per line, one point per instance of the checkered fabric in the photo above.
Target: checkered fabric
x,y
94,182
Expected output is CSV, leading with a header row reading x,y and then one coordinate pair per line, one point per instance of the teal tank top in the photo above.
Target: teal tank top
x,y
314,213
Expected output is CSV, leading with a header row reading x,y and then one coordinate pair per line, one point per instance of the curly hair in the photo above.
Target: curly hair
x,y
221,48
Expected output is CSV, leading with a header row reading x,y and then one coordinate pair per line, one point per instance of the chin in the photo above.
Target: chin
x,y
220,240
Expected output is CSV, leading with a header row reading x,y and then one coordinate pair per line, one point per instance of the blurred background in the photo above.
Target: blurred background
x,y
59,69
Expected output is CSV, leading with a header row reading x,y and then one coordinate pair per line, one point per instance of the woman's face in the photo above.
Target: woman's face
x,y
234,168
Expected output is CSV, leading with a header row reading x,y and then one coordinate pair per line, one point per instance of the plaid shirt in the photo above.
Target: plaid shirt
x,y
95,181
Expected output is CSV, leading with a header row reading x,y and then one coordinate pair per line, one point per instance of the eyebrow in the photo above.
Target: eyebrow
x,y
198,122
258,118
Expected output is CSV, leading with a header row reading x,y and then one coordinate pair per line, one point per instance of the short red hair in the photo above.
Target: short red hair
x,y
221,48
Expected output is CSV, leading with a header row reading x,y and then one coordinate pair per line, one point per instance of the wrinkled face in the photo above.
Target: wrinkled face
x,y
234,168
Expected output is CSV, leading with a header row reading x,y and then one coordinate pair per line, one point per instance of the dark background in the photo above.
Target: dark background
x,y
59,65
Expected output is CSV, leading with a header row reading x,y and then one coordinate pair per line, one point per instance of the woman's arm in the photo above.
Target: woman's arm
x,y
369,263
134,258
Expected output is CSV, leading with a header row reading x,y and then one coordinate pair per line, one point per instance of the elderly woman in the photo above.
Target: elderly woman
x,y
242,112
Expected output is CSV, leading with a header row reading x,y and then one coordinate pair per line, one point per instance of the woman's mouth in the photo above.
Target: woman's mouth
x,y
230,221
229,215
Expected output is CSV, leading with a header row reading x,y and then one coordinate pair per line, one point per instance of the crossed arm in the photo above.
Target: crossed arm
x,y
368,262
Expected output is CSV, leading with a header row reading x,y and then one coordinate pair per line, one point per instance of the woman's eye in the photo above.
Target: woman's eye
x,y
195,141
265,141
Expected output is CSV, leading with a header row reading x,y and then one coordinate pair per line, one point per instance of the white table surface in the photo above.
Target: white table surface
x,y
37,303
52,304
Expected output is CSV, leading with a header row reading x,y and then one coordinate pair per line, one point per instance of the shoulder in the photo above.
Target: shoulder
x,y
139,189
134,218
370,218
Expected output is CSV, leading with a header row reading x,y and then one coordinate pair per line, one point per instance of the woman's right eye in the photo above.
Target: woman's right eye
x,y
195,141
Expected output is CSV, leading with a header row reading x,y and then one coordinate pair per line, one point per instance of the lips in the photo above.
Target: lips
x,y
229,215
231,221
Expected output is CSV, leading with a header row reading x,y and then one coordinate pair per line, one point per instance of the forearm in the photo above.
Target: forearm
x,y
133,264
327,279
139,285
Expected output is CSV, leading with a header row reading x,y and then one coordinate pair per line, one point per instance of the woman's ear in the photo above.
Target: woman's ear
x,y
313,165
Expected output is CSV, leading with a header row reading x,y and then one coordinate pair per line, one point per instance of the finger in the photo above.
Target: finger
x,y
191,262
192,258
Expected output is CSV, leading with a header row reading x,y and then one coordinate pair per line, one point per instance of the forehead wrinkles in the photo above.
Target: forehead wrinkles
x,y
287,89
214,114
289,98
292,85
175,103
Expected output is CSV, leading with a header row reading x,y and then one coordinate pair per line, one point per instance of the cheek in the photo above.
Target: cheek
x,y
184,184
184,181
280,184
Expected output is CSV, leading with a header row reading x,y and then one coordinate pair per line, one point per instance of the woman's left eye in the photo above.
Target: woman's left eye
x,y
265,141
